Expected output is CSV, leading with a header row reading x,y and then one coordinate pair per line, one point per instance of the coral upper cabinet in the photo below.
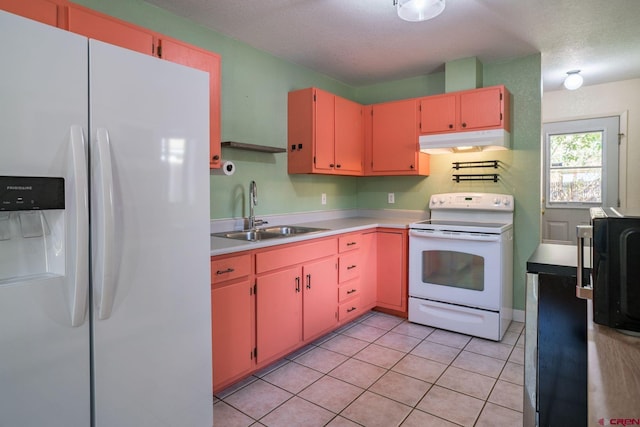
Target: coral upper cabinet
x,y
392,140
98,26
194,57
105,28
39,10
325,134
475,109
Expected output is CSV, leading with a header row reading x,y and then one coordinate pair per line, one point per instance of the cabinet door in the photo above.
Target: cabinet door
x,y
279,312
110,30
39,10
392,270
200,59
395,137
320,298
231,327
437,114
324,105
481,108
369,273
562,352
349,137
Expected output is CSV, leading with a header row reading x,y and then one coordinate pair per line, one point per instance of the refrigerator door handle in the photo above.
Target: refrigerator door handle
x,y
80,268
104,277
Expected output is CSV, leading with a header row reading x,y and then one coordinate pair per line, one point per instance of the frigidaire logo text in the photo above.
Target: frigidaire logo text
x,y
19,187
619,422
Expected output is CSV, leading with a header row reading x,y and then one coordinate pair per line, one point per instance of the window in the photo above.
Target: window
x,y
581,159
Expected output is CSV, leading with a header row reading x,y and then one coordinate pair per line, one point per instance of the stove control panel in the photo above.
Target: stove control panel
x,y
477,201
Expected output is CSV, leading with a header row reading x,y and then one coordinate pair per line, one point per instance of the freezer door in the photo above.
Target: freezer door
x,y
44,330
150,241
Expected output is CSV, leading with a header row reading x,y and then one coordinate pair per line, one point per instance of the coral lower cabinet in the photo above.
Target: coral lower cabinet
x,y
268,302
475,109
232,318
349,277
296,296
95,25
392,281
325,133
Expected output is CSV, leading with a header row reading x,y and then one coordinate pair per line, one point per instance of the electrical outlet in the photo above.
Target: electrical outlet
x,y
391,198
323,198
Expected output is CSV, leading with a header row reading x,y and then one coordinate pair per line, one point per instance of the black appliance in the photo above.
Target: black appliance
x,y
615,272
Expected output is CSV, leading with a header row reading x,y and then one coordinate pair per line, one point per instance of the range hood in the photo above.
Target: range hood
x,y
464,142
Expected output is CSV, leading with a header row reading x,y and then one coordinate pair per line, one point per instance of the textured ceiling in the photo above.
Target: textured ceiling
x,y
361,42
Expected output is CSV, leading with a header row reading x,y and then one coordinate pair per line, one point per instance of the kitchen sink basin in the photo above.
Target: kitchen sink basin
x,y
249,236
268,233
290,230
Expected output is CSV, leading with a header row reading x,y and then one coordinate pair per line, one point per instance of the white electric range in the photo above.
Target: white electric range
x,y
461,264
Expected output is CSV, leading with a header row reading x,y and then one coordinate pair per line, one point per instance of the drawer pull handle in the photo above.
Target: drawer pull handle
x,y
349,310
351,291
351,267
297,284
228,270
308,281
352,243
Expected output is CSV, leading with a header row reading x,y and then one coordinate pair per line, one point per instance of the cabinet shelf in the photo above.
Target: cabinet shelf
x,y
252,147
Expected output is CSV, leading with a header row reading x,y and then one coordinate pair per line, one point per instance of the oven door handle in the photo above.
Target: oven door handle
x,y
450,235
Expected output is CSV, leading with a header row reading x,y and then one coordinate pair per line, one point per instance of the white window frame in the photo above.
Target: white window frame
x,y
609,126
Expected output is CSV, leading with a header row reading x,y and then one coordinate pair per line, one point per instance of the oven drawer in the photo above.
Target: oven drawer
x,y
466,320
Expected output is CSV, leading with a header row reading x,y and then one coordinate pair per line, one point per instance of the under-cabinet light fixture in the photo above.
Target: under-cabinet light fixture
x,y
418,10
573,80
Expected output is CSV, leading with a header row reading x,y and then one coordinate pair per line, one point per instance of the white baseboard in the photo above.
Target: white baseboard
x,y
518,316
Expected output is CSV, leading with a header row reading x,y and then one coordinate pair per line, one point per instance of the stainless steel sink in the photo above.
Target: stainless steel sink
x,y
290,230
249,235
267,233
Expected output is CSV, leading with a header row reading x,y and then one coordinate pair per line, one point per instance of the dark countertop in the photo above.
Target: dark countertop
x,y
556,259
613,358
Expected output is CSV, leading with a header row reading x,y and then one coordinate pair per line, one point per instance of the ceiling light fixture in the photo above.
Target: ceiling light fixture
x,y
573,80
418,10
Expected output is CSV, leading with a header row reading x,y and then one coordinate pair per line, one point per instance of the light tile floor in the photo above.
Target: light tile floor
x,y
381,370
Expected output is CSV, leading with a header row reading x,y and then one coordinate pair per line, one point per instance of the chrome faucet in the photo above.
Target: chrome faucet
x,y
253,202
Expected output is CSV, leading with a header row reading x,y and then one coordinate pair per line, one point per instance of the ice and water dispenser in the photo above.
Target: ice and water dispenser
x,y
32,228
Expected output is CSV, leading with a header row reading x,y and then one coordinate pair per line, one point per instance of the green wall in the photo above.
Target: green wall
x,y
254,102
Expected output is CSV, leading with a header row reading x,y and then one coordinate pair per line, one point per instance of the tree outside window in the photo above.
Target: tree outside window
x,y
575,168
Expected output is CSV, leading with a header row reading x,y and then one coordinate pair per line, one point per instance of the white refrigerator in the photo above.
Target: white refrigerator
x,y
105,315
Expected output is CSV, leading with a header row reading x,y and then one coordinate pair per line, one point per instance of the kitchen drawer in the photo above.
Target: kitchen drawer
x,y
349,310
229,268
349,266
348,291
349,242
294,254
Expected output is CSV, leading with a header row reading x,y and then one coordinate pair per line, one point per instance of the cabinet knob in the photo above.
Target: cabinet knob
x,y
464,125
412,167
450,126
338,165
216,157
331,165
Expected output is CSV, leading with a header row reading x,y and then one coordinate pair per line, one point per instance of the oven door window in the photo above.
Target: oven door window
x,y
455,269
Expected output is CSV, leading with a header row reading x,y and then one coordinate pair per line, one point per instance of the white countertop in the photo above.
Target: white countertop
x,y
222,246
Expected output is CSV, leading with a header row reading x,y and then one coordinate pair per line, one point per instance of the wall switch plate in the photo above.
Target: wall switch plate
x,y
323,198
391,198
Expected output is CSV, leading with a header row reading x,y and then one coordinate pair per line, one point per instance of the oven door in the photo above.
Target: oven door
x,y
456,267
